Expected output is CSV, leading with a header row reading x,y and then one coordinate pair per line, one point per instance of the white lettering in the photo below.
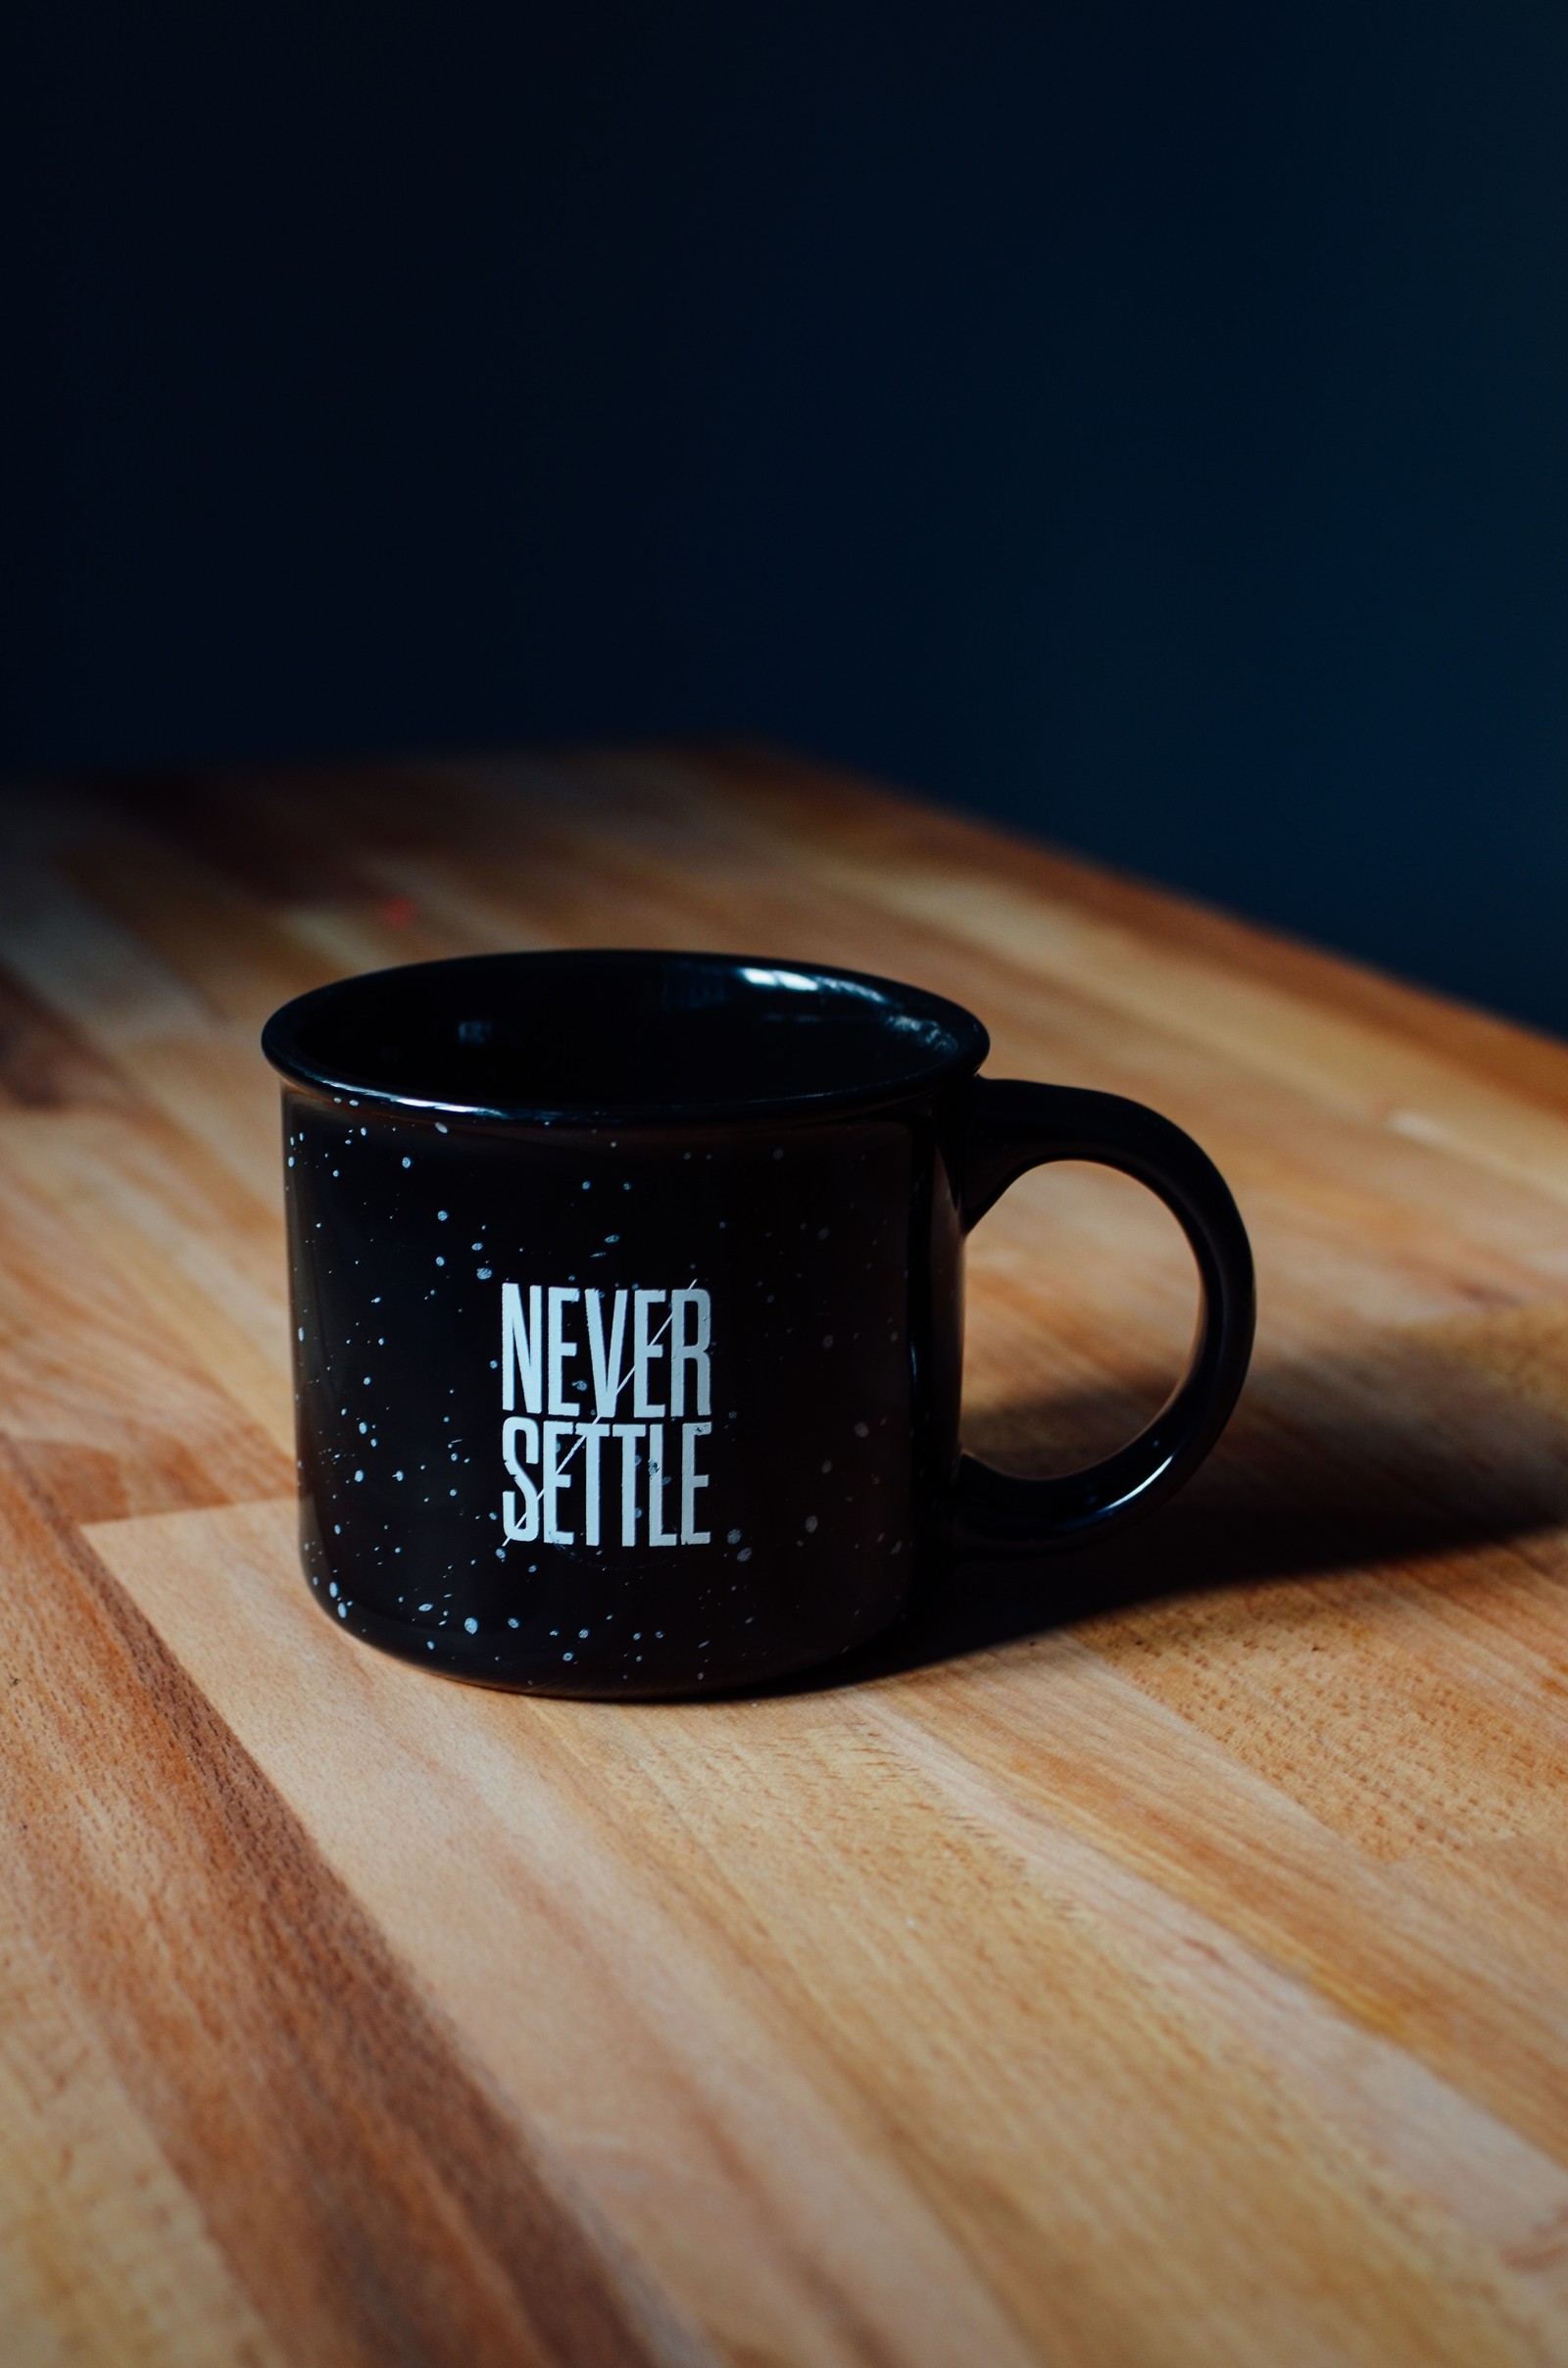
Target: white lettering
x,y
609,1380
590,1433
555,1481
658,1534
628,1433
523,1342
644,1350
523,1532
691,1480
536,1345
694,1352
560,1346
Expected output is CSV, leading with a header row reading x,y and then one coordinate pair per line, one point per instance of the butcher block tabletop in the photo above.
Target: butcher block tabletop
x,y
1157,1956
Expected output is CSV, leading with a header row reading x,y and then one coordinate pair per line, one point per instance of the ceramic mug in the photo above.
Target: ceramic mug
x,y
628,1309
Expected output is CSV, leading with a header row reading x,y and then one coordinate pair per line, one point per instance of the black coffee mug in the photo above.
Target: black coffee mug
x,y
628,1298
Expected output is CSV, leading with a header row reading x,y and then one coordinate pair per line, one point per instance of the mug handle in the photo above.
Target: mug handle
x,y
1015,1126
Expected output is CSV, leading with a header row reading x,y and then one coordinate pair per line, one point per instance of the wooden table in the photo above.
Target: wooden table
x,y
1153,1957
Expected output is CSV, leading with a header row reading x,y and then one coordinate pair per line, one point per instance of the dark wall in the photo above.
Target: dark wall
x,y
1144,423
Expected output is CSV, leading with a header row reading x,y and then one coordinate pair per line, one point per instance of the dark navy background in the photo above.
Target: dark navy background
x,y
1142,422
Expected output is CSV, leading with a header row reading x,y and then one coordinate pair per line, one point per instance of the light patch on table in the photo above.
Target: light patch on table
x,y
681,2113
756,2045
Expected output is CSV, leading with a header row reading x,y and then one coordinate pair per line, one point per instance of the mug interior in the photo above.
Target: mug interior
x,y
600,1035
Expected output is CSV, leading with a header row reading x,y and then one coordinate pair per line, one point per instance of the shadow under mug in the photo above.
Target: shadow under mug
x,y
628,1309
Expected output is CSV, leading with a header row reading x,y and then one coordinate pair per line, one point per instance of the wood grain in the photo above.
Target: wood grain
x,y
1156,1957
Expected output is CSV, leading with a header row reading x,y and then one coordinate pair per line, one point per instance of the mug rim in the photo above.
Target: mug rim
x,y
967,1048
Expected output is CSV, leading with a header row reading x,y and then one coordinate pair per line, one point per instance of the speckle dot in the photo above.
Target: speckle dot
x,y
583,1632
745,1554
734,1537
